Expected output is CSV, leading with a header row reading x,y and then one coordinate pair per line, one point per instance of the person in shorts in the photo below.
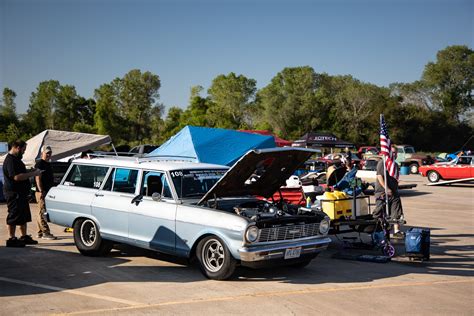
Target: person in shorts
x,y
16,190
44,182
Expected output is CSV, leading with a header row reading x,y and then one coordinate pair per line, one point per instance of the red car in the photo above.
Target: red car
x,y
460,168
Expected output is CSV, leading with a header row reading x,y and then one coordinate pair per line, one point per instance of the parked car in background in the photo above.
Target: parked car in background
x,y
370,150
459,168
408,157
192,210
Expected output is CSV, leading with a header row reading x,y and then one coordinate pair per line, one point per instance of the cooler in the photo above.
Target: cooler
x,y
334,208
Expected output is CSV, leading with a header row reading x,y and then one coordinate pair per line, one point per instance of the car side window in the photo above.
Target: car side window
x,y
86,176
153,181
122,180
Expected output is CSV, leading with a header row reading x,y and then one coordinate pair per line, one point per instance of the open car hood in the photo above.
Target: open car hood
x,y
259,172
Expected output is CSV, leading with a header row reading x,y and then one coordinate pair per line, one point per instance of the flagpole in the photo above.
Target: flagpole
x,y
385,173
385,180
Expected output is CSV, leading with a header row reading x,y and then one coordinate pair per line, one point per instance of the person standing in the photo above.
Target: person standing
x,y
394,202
16,190
44,182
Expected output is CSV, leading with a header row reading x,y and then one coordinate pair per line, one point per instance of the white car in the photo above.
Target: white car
x,y
218,215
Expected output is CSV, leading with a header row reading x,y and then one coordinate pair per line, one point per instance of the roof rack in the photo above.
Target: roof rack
x,y
166,158
112,155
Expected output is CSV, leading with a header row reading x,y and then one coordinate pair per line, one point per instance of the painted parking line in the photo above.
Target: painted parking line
x,y
270,294
74,292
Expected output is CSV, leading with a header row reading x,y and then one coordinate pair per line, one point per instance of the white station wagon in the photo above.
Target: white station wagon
x,y
221,216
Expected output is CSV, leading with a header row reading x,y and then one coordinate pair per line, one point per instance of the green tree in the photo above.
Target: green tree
x,y
138,95
289,104
197,111
231,98
172,123
7,110
127,107
43,104
356,109
451,80
108,119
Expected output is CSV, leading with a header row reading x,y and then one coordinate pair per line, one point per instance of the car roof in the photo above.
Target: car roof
x,y
148,163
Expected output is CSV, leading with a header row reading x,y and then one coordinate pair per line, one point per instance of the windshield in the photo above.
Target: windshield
x,y
409,150
195,183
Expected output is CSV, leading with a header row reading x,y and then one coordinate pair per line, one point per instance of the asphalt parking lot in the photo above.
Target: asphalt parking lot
x,y
53,278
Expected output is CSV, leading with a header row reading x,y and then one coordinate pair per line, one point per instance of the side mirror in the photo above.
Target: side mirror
x,y
156,196
137,199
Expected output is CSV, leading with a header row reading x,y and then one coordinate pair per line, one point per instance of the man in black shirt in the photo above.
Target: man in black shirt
x,y
44,182
394,202
16,190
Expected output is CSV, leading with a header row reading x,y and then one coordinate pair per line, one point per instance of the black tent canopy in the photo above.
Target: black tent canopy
x,y
315,139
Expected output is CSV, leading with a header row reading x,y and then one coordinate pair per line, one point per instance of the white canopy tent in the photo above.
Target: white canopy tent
x,y
63,144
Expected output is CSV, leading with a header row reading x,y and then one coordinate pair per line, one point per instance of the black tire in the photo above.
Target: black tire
x,y
88,240
414,168
214,258
433,176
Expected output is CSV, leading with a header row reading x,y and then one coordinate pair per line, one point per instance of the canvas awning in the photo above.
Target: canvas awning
x,y
62,143
212,145
314,139
280,142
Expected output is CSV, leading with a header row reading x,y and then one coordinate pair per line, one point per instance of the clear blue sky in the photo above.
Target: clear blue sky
x,y
87,43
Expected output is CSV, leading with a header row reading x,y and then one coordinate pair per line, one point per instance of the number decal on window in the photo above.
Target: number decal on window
x,y
176,174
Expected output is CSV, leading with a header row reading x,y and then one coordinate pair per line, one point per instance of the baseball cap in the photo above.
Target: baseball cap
x,y
46,149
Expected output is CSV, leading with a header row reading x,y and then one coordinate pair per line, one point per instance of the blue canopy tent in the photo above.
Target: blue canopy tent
x,y
212,145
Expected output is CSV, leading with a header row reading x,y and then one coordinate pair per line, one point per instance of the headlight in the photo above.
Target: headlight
x,y
251,234
324,226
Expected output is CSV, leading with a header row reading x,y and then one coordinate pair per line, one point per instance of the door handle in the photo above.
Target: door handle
x,y
99,194
52,196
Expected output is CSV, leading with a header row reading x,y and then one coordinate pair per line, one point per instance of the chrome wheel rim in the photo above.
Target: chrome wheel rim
x,y
433,177
213,255
88,233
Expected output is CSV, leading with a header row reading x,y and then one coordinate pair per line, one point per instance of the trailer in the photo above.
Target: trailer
x,y
451,181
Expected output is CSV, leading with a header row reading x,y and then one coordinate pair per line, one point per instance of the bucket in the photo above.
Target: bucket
x,y
405,170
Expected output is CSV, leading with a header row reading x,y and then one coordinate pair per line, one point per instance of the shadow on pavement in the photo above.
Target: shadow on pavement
x,y
70,270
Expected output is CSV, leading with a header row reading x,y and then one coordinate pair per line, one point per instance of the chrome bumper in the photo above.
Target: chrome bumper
x,y
277,251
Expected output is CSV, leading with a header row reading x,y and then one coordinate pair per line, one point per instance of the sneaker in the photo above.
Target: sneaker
x,y
15,242
398,235
49,237
40,235
28,240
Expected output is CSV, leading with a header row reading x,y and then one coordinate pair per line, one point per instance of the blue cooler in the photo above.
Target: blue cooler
x,y
417,243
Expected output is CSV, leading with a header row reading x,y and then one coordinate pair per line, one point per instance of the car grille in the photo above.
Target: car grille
x,y
288,232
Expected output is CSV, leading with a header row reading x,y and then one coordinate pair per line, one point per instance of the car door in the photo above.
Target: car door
x,y
152,219
76,192
112,203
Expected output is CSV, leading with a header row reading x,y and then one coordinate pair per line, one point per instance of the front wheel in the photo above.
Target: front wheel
x,y
433,176
215,260
414,168
88,240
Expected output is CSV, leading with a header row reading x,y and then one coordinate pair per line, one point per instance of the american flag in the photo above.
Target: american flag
x,y
386,149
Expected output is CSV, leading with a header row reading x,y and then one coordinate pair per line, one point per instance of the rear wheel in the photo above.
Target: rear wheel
x,y
88,240
215,260
433,176
414,168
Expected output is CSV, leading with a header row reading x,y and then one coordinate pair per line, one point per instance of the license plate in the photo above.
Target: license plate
x,y
291,253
